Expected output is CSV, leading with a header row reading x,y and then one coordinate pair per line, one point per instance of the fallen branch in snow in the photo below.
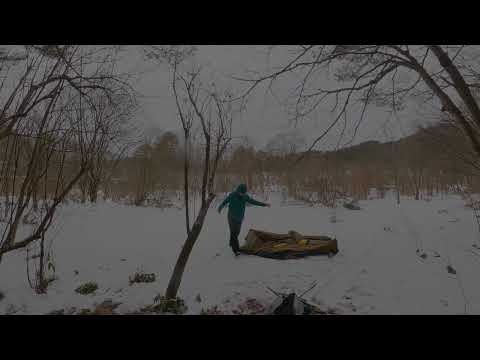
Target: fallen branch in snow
x,y
309,289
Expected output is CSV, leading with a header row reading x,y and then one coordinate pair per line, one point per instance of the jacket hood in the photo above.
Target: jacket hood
x,y
242,189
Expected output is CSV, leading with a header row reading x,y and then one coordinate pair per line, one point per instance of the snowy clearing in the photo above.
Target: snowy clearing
x,y
377,270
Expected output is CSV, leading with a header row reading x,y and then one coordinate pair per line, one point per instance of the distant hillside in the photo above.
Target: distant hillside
x,y
439,139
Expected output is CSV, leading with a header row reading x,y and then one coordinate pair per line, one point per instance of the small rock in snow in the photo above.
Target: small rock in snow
x,y
451,270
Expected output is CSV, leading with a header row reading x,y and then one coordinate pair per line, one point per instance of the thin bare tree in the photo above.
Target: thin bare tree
x,y
210,110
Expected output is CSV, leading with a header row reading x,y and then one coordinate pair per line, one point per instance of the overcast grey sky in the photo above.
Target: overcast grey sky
x,y
264,117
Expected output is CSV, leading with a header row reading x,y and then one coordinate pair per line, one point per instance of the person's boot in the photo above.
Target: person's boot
x,y
236,248
236,251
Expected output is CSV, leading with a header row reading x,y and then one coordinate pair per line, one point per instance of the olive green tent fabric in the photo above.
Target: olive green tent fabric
x,y
287,246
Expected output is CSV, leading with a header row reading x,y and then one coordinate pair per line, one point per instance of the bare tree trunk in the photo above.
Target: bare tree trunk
x,y
182,260
397,185
450,106
35,199
195,108
185,184
458,81
40,276
83,190
141,193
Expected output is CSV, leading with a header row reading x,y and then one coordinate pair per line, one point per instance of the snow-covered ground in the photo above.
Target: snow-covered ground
x,y
377,270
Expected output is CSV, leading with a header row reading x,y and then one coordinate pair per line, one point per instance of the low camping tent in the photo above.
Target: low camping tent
x,y
287,246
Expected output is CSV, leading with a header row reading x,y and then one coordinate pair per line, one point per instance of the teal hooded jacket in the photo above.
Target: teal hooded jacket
x,y
236,203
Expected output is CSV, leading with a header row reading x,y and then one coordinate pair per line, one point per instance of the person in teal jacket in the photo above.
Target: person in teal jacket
x,y
236,211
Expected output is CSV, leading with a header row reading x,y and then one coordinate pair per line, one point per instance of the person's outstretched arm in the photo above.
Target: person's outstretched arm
x,y
255,202
224,202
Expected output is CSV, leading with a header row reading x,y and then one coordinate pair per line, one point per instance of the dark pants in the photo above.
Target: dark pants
x,y
235,227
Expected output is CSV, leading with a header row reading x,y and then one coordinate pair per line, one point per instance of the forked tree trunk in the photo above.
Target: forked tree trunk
x,y
182,260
